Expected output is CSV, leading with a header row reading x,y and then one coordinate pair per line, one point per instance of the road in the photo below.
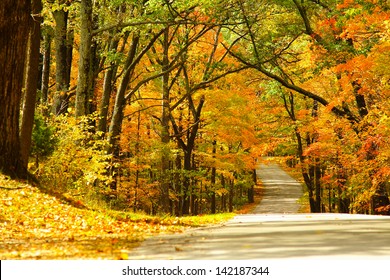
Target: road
x,y
276,231
281,191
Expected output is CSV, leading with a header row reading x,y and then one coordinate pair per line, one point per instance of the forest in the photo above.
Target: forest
x,y
167,106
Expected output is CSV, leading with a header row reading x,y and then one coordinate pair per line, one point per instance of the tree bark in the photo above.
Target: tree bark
x,y
107,90
251,190
69,54
120,100
317,178
14,28
186,182
165,117
84,81
46,67
231,195
60,102
32,77
223,197
213,180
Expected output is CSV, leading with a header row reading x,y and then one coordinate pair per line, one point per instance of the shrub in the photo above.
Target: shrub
x,y
78,165
43,140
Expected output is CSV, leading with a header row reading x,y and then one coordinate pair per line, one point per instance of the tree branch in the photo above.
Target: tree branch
x,y
337,111
308,29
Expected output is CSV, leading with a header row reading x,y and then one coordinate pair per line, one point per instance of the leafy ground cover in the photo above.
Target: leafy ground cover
x,y
38,225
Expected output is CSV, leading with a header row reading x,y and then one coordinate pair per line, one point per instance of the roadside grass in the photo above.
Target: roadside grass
x,y
37,225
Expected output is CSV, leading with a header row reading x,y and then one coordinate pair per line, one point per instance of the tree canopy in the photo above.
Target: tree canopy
x,y
167,106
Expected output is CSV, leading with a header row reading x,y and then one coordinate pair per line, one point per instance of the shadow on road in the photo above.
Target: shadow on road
x,y
275,231
283,237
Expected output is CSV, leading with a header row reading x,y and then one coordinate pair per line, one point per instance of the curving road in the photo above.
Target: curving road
x,y
275,231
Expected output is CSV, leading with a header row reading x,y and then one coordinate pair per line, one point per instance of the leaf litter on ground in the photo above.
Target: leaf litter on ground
x,y
36,225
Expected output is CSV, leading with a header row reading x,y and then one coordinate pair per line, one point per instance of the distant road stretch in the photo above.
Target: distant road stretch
x,y
281,191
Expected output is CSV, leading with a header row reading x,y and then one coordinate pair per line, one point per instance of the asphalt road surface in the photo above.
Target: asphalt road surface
x,y
281,191
276,231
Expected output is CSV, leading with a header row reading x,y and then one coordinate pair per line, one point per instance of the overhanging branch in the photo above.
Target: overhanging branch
x,y
336,110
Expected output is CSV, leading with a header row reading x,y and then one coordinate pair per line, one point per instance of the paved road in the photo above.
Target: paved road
x,y
276,233
281,191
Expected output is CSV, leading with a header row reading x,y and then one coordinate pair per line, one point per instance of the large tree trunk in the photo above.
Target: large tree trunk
x,y
84,81
32,77
14,28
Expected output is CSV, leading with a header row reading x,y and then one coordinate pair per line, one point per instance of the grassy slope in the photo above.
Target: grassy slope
x,y
36,225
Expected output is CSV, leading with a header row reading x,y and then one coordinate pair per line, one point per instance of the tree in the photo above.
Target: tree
x,y
108,83
163,61
199,70
132,60
47,42
324,55
164,66
14,29
31,84
63,38
85,70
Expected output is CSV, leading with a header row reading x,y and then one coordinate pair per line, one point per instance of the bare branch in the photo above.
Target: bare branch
x,y
150,78
121,25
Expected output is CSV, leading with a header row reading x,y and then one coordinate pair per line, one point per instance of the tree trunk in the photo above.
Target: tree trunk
x,y
137,151
307,170
32,77
165,117
93,75
62,84
317,178
107,89
251,190
46,67
178,186
69,55
223,197
131,62
84,81
231,195
213,180
186,182
14,28
120,102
